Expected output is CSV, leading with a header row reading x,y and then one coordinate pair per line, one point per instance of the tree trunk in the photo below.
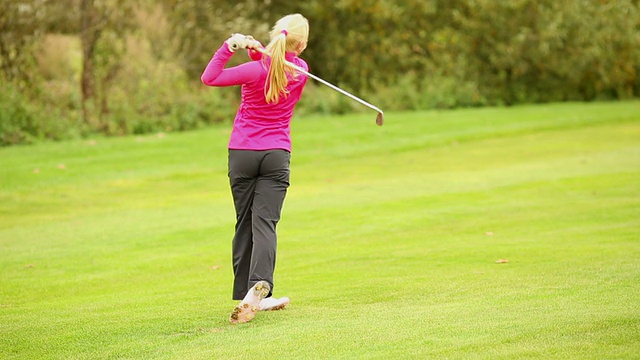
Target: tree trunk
x,y
89,34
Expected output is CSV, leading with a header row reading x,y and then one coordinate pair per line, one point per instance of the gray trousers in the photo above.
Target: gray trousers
x,y
259,182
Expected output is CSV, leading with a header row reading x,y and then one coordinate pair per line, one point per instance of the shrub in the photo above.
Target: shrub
x,y
24,121
320,99
18,124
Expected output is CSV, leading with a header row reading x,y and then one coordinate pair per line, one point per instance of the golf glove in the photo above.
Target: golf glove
x,y
239,41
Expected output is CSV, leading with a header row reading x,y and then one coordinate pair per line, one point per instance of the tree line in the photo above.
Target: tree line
x,y
70,68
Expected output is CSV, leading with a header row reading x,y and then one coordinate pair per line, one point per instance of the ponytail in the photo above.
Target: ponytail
x,y
289,34
277,81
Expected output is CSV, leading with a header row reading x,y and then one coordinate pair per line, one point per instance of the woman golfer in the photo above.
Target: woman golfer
x,y
259,154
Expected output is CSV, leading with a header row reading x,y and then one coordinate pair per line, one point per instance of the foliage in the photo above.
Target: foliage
x,y
161,98
515,51
17,122
199,27
19,32
22,122
135,66
547,50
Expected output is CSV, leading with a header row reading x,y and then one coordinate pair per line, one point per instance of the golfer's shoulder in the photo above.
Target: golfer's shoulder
x,y
300,62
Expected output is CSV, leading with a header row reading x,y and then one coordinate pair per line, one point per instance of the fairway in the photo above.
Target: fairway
x,y
478,233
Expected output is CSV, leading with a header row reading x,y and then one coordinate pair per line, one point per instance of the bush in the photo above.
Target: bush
x,y
18,124
434,92
23,121
320,99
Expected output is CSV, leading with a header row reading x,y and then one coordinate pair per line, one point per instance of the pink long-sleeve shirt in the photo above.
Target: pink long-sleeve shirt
x,y
258,125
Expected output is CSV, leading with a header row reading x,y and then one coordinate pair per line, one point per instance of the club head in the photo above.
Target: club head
x,y
379,119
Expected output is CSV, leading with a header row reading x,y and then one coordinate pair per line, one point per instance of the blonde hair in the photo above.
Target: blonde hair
x,y
289,34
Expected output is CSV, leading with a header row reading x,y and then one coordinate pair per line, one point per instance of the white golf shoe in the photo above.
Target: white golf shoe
x,y
249,306
272,303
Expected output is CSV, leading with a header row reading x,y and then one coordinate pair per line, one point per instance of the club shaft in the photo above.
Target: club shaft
x,y
298,68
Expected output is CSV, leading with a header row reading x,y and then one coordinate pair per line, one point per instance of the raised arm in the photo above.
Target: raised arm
x,y
216,75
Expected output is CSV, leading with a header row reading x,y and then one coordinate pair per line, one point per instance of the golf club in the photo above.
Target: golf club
x,y
379,118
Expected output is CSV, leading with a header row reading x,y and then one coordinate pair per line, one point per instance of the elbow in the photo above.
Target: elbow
x,y
208,77
205,80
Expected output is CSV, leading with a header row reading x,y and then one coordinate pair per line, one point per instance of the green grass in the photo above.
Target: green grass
x,y
120,248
